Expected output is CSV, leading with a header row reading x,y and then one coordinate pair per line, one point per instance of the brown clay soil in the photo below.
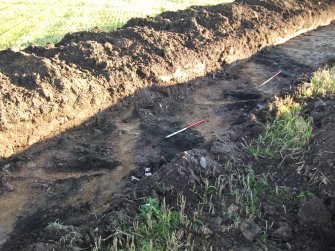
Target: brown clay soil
x,y
80,117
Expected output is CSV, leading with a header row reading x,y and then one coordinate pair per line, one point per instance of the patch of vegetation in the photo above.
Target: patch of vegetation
x,y
249,190
68,235
55,226
27,22
304,195
154,228
321,83
235,195
286,134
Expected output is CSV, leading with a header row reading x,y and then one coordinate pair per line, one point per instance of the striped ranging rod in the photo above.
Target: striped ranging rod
x,y
185,128
275,75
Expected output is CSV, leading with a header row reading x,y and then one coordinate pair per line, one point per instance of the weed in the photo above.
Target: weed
x,y
286,134
303,195
321,83
69,234
55,226
70,238
209,189
155,228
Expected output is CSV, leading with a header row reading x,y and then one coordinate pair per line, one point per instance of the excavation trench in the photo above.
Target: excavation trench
x,y
73,175
47,90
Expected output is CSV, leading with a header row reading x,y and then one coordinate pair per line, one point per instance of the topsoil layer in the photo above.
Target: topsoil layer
x,y
45,90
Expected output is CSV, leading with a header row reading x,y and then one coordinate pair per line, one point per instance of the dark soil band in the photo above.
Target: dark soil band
x,y
46,90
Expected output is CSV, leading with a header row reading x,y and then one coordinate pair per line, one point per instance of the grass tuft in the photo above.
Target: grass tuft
x,y
286,134
321,83
155,228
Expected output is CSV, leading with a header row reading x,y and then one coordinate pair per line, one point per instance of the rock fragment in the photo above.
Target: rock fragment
x,y
249,229
283,233
203,163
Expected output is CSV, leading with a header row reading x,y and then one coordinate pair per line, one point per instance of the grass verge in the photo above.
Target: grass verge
x,y
27,22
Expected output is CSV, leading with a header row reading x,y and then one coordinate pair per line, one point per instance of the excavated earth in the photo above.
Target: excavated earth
x,y
79,118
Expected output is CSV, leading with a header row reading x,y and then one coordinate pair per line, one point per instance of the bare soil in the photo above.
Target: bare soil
x,y
100,104
46,90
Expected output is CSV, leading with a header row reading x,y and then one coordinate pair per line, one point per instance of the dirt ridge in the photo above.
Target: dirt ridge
x,y
46,90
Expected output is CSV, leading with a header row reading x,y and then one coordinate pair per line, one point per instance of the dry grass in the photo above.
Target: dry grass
x,y
321,83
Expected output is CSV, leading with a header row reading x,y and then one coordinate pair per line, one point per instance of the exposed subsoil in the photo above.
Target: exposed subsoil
x,y
46,90
83,173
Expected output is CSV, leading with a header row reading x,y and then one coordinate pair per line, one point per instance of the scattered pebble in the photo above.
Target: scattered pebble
x,y
249,229
203,162
148,174
283,233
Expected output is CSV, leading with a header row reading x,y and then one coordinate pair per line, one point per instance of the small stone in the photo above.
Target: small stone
x,y
203,162
314,212
148,174
9,187
249,229
283,233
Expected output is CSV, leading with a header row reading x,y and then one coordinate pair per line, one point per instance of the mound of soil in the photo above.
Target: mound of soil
x,y
46,90
319,163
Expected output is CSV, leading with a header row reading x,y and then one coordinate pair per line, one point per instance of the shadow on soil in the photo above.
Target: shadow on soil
x,y
72,174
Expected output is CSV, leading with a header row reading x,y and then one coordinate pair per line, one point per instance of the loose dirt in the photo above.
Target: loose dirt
x,y
83,172
46,90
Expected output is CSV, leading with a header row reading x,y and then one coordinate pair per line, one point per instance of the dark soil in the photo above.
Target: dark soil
x,y
46,90
81,172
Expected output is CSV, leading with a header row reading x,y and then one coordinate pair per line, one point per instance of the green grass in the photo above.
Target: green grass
x,y
27,22
286,134
155,228
321,83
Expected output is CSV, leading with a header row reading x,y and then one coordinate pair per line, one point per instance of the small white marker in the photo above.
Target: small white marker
x,y
270,78
134,178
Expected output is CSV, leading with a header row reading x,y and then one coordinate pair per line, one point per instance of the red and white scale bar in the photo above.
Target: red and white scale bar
x,y
185,128
275,75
